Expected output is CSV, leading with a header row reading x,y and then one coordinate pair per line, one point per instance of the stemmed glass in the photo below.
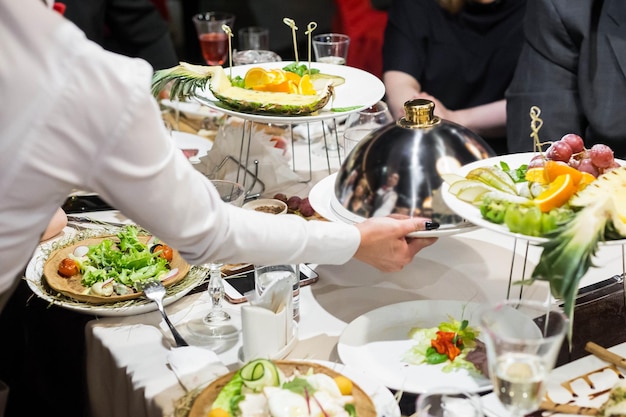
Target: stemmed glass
x,y
523,339
212,324
363,122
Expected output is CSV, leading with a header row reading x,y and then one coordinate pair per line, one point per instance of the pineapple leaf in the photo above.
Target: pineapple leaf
x,y
184,79
568,254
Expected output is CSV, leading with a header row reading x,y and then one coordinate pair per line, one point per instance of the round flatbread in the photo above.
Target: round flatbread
x,y
202,404
72,287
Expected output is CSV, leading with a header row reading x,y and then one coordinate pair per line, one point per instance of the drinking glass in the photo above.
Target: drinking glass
x,y
265,275
213,39
361,123
331,48
448,402
211,326
523,339
253,38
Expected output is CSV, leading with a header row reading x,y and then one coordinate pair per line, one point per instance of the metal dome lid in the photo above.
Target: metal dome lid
x,y
397,168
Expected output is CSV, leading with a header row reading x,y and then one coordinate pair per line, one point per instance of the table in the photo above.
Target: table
x,y
127,356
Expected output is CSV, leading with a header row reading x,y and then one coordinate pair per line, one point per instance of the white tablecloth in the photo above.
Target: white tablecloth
x,y
127,368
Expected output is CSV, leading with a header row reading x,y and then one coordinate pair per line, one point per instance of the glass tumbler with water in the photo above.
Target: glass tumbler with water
x,y
523,339
265,275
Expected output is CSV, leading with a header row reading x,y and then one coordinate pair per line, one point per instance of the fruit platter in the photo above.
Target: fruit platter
x,y
568,199
286,92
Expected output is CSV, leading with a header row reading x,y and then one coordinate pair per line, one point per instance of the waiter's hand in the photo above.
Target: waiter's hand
x,y
384,244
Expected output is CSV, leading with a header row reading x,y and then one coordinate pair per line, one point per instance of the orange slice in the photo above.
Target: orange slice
x,y
536,175
292,76
552,169
305,86
558,193
283,87
585,180
257,76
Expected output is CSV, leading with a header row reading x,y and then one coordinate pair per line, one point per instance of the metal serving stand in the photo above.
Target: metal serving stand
x,y
359,91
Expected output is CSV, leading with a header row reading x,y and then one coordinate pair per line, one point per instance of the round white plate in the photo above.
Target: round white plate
x,y
34,278
377,341
186,140
192,109
472,213
321,199
360,90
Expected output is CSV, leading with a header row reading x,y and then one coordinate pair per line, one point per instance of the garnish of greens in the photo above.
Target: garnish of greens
x,y
449,343
129,261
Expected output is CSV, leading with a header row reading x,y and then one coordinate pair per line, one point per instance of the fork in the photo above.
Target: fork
x,y
155,291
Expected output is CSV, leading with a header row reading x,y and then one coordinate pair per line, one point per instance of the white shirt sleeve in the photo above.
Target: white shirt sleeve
x,y
83,118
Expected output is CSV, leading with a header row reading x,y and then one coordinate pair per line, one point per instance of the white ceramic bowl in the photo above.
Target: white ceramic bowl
x,y
267,205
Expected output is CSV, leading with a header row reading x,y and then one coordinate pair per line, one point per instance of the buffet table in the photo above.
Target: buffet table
x,y
127,357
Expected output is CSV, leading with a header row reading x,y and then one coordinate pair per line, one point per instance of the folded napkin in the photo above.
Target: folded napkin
x,y
194,366
267,323
269,145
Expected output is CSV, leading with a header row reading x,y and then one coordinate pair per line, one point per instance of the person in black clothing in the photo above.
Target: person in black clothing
x,y
133,28
461,54
573,67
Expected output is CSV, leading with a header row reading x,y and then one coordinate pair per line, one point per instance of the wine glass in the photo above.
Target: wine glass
x,y
361,123
213,39
523,339
448,402
211,326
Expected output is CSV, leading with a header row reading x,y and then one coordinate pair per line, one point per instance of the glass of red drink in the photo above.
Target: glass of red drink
x,y
213,39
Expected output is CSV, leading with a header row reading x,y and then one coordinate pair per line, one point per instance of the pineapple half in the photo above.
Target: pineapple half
x,y
186,79
568,253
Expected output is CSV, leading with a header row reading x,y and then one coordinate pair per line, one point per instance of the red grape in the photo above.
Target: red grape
x,y
559,151
282,197
586,165
574,141
293,203
305,208
573,162
601,155
537,161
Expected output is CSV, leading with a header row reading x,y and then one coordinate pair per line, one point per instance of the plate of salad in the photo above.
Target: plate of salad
x,y
396,345
87,290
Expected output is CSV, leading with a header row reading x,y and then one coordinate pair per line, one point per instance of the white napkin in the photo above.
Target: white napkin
x,y
269,145
311,131
267,323
195,366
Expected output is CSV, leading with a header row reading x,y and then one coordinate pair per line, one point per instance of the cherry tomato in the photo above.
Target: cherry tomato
x,y
68,268
166,251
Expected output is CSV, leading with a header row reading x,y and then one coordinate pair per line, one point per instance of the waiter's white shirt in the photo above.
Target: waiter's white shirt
x,y
77,117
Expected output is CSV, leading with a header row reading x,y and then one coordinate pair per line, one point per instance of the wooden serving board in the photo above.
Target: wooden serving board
x,y
72,287
202,404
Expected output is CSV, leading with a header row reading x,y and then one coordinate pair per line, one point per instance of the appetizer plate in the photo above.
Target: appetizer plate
x,y
72,286
192,109
35,279
472,213
584,383
360,90
378,340
186,140
383,401
321,199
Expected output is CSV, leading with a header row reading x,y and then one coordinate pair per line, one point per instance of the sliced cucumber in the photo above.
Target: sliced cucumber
x,y
260,373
